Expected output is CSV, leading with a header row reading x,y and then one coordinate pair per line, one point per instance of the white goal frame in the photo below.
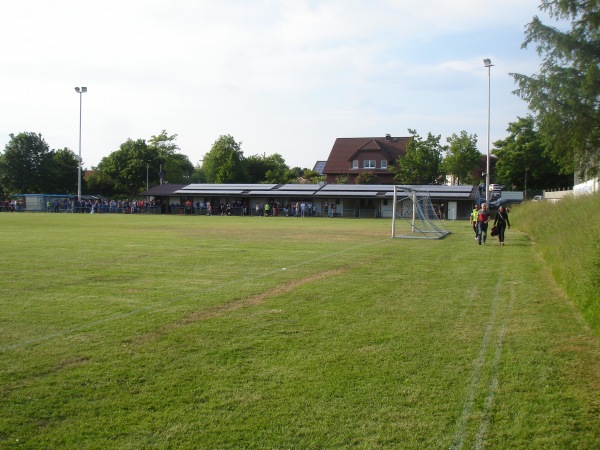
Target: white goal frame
x,y
417,215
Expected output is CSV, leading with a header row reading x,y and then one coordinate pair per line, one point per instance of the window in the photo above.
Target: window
x,y
369,164
384,164
355,164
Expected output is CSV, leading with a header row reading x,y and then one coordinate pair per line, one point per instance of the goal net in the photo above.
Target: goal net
x,y
414,216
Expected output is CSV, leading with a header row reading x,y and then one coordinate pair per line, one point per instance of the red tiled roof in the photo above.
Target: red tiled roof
x,y
345,150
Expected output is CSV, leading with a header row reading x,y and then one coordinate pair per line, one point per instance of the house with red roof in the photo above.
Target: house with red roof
x,y
349,157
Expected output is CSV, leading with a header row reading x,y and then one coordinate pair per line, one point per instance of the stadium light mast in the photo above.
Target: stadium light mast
x,y
488,63
80,91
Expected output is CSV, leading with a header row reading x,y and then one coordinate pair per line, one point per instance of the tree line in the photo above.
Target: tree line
x,y
28,165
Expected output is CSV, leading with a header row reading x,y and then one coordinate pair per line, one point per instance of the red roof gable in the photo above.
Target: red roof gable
x,y
346,150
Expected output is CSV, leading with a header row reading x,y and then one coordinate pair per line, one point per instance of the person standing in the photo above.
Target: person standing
x,y
501,221
473,220
483,217
442,211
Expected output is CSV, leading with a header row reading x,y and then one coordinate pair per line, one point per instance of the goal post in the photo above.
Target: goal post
x,y
413,215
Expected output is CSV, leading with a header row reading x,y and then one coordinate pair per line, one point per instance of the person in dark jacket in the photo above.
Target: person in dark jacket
x,y
501,221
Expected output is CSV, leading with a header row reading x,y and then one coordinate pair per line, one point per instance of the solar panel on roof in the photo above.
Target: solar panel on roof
x,y
241,187
280,193
299,187
205,192
347,194
319,167
357,187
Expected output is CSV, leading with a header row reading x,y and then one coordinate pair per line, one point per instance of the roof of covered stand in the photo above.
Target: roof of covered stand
x,y
309,190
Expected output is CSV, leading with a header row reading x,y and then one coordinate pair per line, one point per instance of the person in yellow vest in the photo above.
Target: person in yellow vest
x,y
473,219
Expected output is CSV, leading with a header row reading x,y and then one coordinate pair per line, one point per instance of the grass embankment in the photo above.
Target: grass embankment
x,y
186,332
567,234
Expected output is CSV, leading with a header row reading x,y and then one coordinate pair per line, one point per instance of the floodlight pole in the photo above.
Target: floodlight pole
x,y
414,210
80,91
488,63
394,212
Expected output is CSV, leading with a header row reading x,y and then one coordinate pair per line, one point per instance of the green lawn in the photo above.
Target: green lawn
x,y
127,331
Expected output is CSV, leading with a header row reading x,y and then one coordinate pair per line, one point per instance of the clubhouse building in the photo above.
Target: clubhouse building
x,y
347,200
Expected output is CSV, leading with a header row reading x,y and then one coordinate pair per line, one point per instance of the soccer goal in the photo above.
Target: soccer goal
x,y
414,216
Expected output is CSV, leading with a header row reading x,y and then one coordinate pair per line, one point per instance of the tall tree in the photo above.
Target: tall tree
x,y
127,166
478,172
224,163
462,157
198,174
178,169
176,166
62,170
565,94
521,158
24,164
99,183
421,164
164,143
269,169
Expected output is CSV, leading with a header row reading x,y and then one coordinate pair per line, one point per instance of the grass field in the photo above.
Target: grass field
x,y
224,332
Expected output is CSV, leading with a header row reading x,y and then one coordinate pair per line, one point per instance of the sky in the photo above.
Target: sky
x,y
280,76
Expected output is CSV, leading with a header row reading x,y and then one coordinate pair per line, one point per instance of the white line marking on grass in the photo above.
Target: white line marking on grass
x,y
493,387
471,297
234,281
459,436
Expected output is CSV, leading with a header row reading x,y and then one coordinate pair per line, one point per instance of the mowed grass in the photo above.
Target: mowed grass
x,y
225,332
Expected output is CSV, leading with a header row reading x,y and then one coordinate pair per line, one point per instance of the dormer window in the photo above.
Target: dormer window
x,y
369,164
355,164
384,164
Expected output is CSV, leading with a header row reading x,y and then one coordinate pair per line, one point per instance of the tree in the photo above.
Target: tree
x,y
198,174
421,163
99,183
127,166
224,163
366,178
164,144
62,171
309,175
565,94
176,166
462,157
269,169
521,158
24,164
